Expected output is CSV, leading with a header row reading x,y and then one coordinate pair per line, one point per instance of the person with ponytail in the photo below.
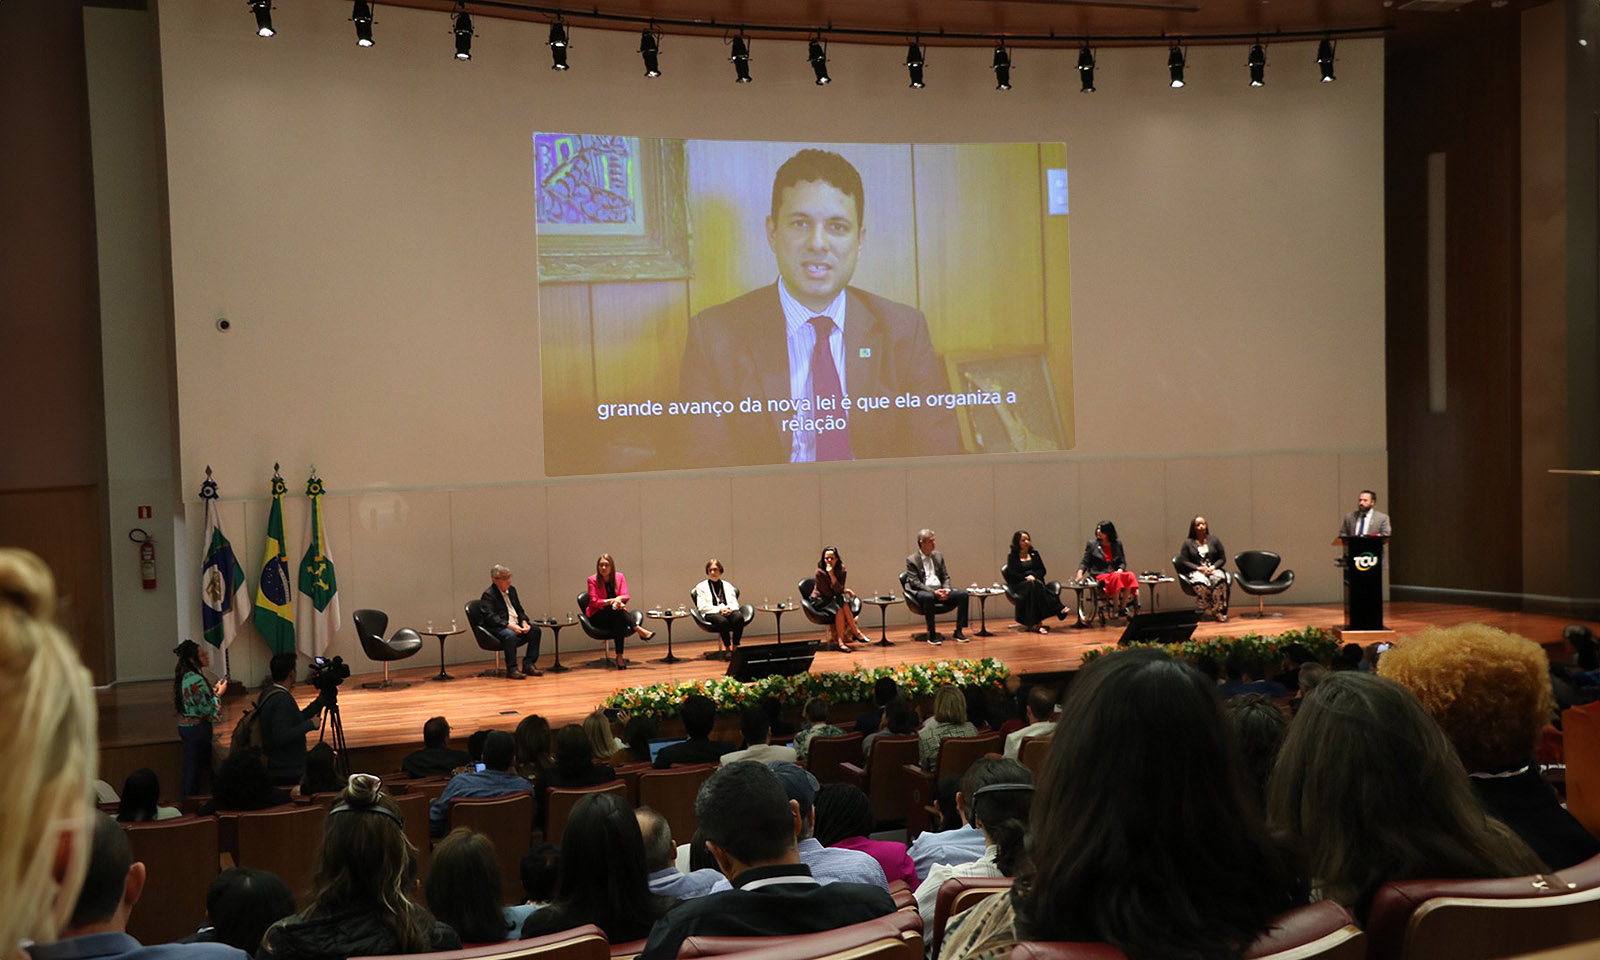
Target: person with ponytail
x,y
360,901
995,795
198,705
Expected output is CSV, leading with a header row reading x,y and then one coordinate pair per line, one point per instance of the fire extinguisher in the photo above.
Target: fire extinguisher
x,y
147,557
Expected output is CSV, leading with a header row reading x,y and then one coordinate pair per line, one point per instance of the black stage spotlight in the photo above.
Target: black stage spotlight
x,y
463,32
740,59
361,16
1002,66
914,64
1175,62
558,46
1086,68
263,11
817,53
1325,59
1257,61
650,50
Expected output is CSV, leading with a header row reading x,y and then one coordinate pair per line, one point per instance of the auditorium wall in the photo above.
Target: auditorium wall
x,y
364,220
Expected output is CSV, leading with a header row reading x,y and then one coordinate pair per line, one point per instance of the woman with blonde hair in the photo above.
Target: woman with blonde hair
x,y
602,741
49,755
949,720
607,606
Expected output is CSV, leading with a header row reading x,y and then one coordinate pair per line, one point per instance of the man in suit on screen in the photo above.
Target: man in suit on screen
x,y
828,368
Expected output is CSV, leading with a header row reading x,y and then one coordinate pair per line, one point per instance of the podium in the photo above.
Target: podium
x,y
1363,582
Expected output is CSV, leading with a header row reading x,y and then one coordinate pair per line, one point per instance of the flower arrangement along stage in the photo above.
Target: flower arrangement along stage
x,y
1321,643
661,700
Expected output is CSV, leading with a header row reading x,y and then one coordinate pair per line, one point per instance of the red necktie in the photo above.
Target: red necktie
x,y
831,444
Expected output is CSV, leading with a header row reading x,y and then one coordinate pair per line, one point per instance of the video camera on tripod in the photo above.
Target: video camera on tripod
x,y
327,674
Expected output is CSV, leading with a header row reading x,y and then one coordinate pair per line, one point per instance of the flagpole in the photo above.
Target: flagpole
x,y
208,496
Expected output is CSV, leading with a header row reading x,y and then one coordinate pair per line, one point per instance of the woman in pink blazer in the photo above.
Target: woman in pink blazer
x,y
608,603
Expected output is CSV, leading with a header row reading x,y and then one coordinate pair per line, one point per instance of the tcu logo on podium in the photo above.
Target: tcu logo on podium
x,y
1365,561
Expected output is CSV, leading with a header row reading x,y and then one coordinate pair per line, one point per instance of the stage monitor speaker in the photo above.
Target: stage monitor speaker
x,y
754,661
1174,626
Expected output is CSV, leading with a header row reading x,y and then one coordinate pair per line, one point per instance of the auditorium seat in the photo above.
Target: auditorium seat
x,y
630,773
897,935
956,754
1317,931
559,802
882,774
916,608
181,859
1255,576
628,950
478,623
430,787
587,942
414,811
370,627
1580,745
824,754
1032,754
508,823
671,793
1484,919
956,895
284,840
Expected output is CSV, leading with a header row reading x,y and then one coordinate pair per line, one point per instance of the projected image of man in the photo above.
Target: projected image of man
x,y
822,370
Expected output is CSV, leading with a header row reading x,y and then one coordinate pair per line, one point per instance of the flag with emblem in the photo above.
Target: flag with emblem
x,y
319,589
224,598
274,617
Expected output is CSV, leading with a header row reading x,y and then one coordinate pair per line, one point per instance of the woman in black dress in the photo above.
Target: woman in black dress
x,y
1025,576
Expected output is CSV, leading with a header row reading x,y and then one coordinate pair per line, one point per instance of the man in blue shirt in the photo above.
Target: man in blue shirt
x,y
495,780
98,928
828,864
660,852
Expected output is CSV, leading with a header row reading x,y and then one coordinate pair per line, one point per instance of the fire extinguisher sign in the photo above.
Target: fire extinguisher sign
x,y
144,512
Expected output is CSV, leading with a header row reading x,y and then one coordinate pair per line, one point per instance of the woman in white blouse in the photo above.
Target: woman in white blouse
x,y
718,602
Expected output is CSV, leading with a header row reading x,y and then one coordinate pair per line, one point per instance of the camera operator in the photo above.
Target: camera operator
x,y
284,723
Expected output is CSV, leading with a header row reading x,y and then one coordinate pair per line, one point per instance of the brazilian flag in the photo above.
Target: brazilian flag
x,y
274,617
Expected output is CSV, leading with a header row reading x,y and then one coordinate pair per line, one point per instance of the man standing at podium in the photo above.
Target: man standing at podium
x,y
1365,520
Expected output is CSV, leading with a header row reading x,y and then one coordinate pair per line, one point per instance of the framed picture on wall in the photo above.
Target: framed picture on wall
x,y
1030,424
610,208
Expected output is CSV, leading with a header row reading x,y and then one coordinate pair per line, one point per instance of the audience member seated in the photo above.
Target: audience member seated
x,y
949,720
475,744
241,904
1041,707
699,716
995,797
815,715
899,720
845,818
242,784
539,868
360,901
750,826
463,889
1259,728
97,928
575,767
1348,658
1490,692
436,758
48,754
141,795
1166,858
774,708
1415,815
602,740
602,879
1247,675
699,857
756,727
826,864
660,856
884,692
958,841
495,780
1295,655
532,739
1309,675
638,732
322,774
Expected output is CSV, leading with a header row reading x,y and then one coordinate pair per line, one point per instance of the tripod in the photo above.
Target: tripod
x,y
331,722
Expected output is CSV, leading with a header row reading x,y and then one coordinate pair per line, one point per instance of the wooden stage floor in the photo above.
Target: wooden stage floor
x,y
140,714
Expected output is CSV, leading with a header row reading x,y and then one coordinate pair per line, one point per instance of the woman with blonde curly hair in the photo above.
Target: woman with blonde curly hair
x,y
1490,692
49,754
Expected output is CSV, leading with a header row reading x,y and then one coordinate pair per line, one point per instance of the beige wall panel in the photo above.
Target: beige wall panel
x,y
588,519
1041,498
1293,518
777,535
686,521
567,356
400,562
1217,488
957,503
1132,496
866,518
1364,470
490,525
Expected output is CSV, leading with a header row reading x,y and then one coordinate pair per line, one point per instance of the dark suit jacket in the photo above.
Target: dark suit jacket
x,y
693,751
737,350
914,572
1189,555
1377,524
1094,559
494,608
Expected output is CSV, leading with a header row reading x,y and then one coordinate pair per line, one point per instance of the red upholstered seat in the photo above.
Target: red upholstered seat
x,y
414,809
559,802
956,895
1580,744
1032,754
956,754
1317,931
897,936
882,774
1484,919
284,840
626,951
671,793
824,754
180,859
580,943
508,823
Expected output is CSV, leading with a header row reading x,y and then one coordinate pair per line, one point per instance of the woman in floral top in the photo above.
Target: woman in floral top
x,y
197,705
815,713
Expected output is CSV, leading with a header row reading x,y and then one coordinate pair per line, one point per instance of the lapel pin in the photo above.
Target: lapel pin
x,y
865,352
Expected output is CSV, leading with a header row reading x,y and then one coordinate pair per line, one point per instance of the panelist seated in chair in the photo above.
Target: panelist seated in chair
x,y
1200,562
929,584
1025,575
832,598
607,608
718,601
505,618
1104,560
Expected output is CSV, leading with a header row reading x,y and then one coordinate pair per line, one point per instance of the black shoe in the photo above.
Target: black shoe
x,y
961,637
516,675
934,641
1063,614
532,671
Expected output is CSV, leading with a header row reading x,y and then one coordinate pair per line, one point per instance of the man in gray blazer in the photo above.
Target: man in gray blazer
x,y
928,583
1365,520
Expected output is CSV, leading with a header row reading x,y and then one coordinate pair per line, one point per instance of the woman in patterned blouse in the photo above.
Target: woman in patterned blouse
x,y
196,701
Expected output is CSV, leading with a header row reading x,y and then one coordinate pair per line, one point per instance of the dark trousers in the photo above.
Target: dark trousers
x,y
932,606
617,624
729,626
511,640
196,742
